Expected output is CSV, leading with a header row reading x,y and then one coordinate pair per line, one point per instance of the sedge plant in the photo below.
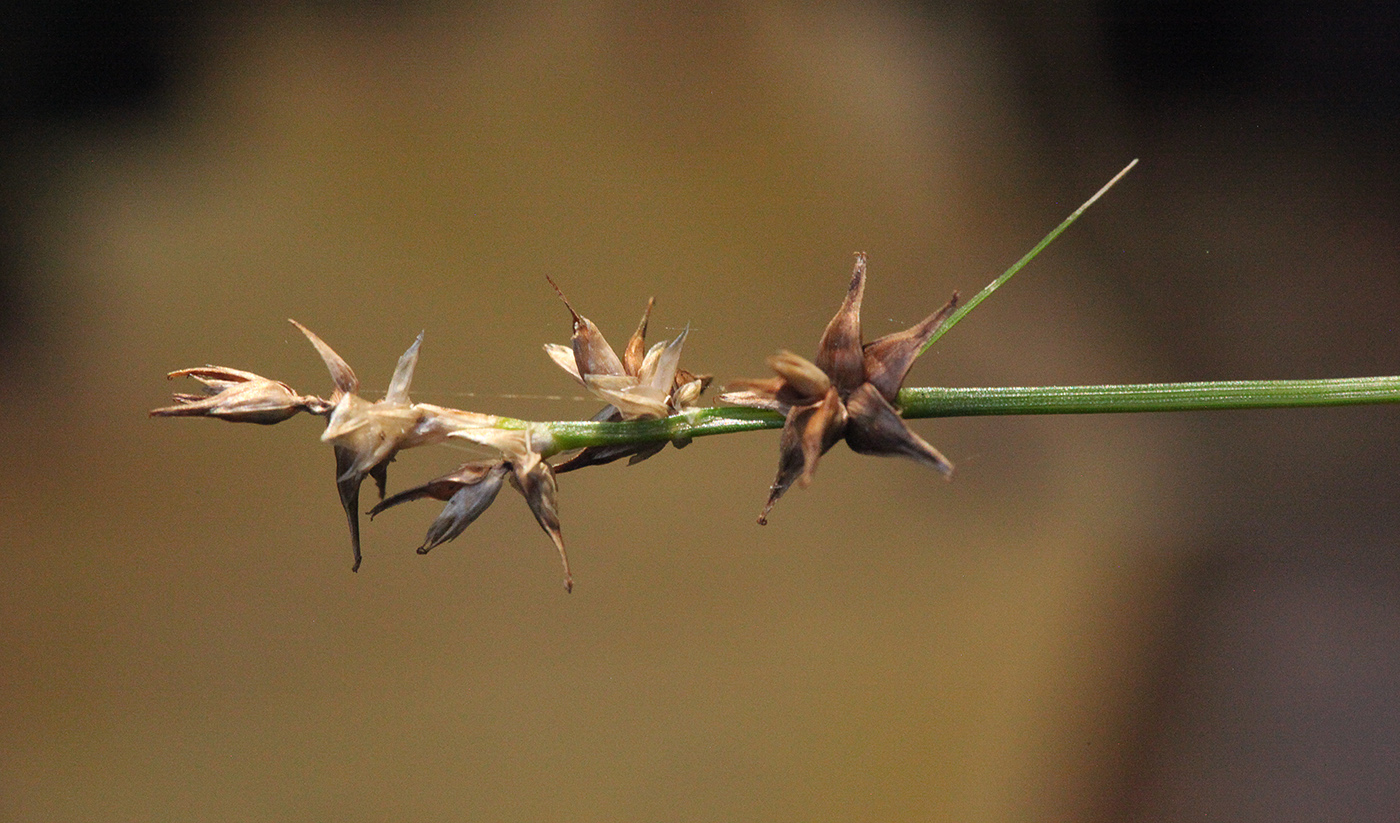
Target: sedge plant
x,y
851,390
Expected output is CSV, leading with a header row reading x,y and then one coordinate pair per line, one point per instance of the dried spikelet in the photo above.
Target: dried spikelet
x,y
847,391
239,397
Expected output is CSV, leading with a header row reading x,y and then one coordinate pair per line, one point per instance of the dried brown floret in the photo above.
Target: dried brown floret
x,y
636,386
239,397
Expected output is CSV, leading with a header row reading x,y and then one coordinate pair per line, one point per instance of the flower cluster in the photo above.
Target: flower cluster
x,y
849,392
364,435
635,386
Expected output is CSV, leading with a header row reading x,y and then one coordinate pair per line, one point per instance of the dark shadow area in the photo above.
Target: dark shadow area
x,y
68,68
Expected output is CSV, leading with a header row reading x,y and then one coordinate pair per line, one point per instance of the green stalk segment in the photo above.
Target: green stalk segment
x,y
1149,397
967,402
679,427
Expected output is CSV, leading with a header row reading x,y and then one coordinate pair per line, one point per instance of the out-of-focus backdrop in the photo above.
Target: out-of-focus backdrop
x,y
1158,617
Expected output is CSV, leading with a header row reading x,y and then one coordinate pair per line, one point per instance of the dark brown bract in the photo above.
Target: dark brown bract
x,y
849,391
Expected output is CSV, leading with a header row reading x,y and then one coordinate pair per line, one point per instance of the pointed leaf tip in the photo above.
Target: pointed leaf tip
x,y
888,360
341,374
636,345
403,373
839,351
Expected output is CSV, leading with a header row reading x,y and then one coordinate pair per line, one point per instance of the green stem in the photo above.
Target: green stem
x,y
698,423
1150,397
965,402
1021,264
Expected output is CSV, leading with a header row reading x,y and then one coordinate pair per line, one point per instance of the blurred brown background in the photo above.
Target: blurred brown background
x,y
1156,617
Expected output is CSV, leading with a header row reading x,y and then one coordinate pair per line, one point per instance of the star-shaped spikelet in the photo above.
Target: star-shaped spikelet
x,y
849,391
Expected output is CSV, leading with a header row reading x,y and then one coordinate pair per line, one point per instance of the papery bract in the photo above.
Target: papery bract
x,y
469,491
